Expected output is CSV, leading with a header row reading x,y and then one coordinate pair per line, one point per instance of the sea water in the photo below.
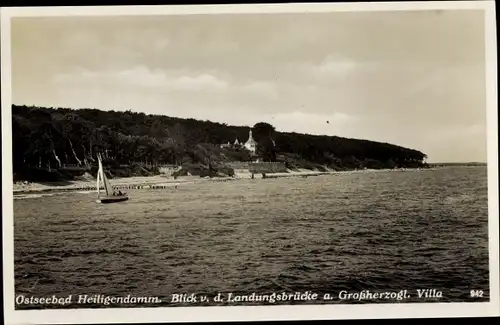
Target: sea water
x,y
385,231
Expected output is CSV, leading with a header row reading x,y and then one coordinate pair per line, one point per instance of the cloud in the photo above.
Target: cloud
x,y
162,43
333,123
141,76
181,92
260,88
466,143
330,68
180,80
199,82
336,65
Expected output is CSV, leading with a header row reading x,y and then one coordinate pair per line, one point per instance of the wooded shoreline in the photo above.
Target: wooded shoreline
x,y
45,140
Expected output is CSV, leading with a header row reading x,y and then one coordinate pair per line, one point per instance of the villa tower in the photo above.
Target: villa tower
x,y
251,145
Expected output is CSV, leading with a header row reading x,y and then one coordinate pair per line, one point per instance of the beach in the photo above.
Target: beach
x,y
142,181
161,181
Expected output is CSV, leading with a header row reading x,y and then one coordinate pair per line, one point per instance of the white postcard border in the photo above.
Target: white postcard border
x,y
246,313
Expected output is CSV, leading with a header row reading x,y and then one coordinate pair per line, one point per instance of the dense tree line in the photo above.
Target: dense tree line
x,y
56,137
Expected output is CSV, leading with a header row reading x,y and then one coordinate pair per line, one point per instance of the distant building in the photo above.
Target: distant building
x,y
251,145
227,145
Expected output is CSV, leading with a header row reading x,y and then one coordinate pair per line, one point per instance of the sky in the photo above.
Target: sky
x,y
411,78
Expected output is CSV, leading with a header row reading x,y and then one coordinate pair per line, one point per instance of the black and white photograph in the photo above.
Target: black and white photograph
x,y
249,162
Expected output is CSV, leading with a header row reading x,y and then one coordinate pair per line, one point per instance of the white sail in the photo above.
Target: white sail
x,y
110,195
107,185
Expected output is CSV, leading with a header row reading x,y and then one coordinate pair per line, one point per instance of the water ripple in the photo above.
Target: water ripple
x,y
375,231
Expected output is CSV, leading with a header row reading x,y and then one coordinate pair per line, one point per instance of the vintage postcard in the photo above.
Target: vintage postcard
x,y
249,162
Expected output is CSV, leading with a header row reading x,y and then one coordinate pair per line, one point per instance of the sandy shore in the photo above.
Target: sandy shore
x,y
27,187
161,181
139,182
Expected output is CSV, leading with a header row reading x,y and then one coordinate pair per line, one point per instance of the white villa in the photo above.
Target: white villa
x,y
251,144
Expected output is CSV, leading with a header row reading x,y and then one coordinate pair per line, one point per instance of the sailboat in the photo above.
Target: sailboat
x,y
110,196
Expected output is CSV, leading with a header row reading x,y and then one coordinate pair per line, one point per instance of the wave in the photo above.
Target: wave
x,y
459,198
31,196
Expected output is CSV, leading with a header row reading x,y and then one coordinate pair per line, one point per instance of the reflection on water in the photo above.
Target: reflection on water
x,y
376,231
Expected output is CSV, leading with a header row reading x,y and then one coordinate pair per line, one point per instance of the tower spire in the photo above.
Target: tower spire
x,y
251,144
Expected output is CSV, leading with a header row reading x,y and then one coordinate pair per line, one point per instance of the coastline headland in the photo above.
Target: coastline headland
x,y
61,145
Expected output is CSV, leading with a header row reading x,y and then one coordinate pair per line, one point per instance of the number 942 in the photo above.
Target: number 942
x,y
476,293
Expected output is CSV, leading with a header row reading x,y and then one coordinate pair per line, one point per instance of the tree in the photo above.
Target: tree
x,y
263,135
177,134
262,130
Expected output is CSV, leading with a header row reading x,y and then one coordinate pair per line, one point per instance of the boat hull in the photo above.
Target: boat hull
x,y
112,199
